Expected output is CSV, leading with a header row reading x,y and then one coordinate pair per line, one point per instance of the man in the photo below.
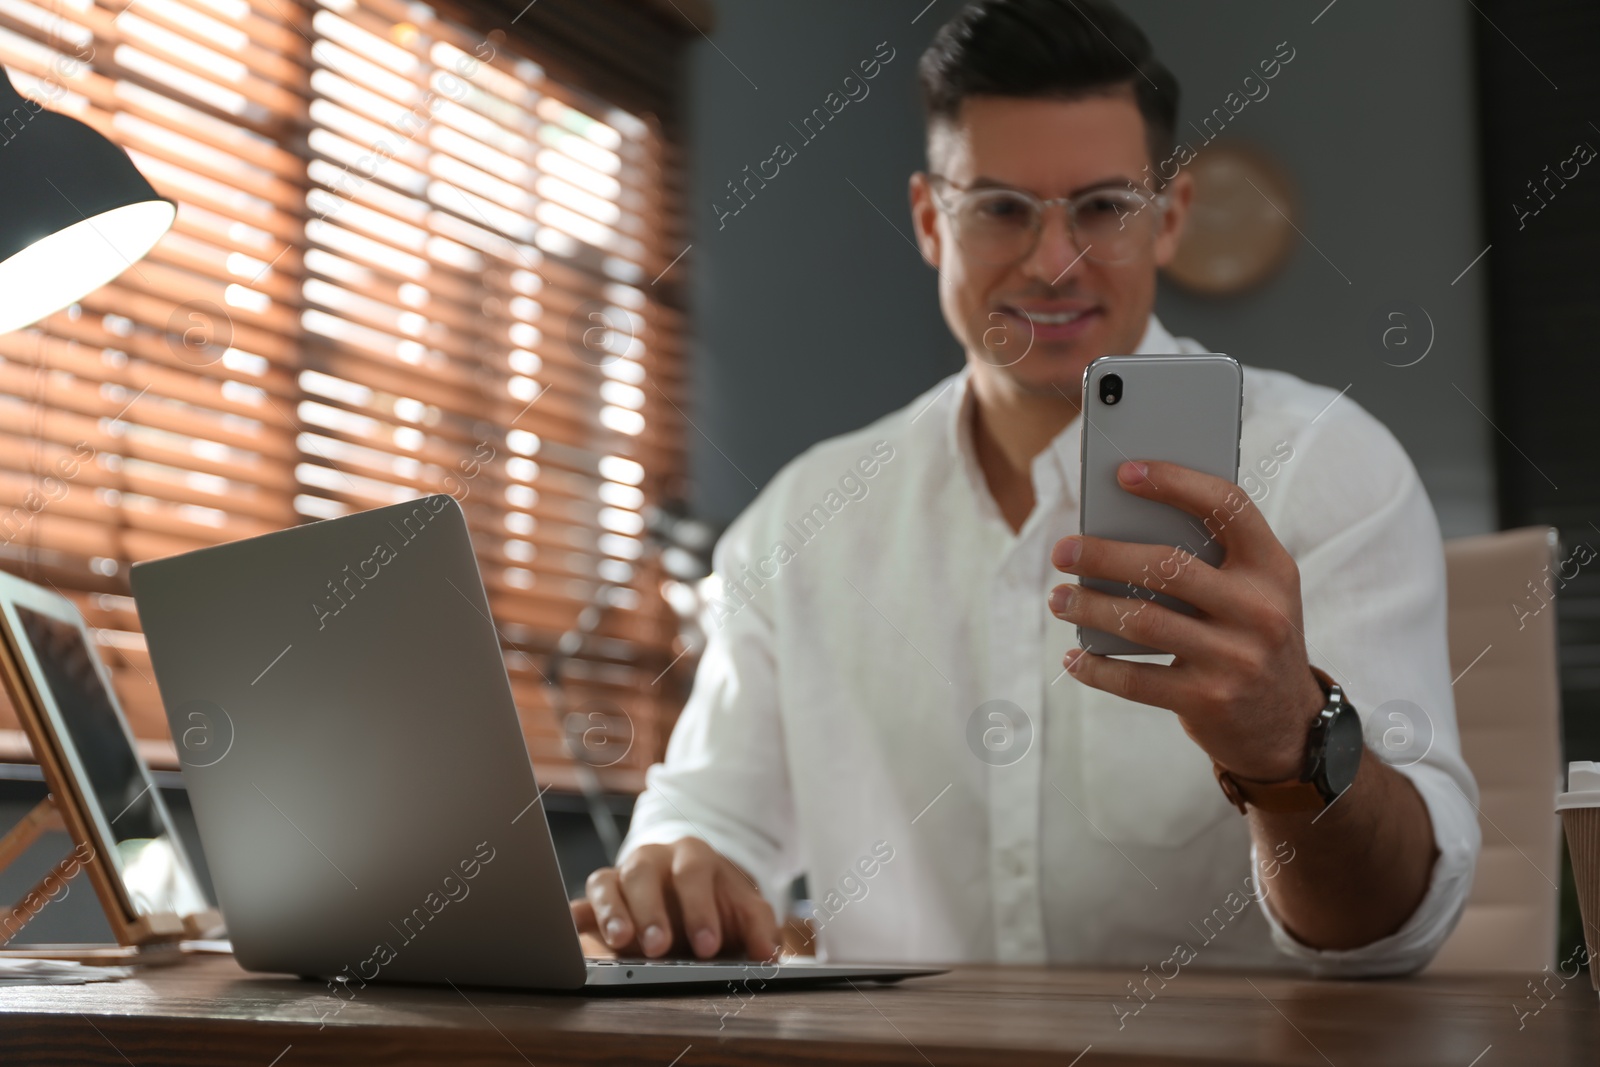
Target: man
x,y
885,706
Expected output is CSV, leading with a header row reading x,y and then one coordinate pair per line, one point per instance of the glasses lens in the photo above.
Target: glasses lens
x,y
1113,225
996,225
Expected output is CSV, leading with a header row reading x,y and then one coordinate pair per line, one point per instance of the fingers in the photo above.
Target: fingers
x,y
1136,618
1158,568
1142,683
607,910
720,905
588,932
641,876
1225,510
686,893
758,926
694,870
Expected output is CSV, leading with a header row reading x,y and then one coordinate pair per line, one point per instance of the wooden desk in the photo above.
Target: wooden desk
x,y
207,1011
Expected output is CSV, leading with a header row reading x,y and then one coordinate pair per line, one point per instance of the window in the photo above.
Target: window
x,y
407,259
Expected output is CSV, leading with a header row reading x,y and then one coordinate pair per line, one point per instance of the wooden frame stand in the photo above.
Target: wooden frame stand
x,y
45,818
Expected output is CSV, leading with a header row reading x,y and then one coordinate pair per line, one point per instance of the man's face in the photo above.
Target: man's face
x,y
1034,325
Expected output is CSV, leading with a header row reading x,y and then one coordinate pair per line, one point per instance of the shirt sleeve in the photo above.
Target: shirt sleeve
x,y
725,777
1356,518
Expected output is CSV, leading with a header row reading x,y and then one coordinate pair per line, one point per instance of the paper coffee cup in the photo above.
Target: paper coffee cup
x,y
1580,817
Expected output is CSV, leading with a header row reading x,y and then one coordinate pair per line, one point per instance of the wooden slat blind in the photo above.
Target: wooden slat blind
x,y
406,260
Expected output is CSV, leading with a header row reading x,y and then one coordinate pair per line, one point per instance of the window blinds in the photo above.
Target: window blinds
x,y
406,260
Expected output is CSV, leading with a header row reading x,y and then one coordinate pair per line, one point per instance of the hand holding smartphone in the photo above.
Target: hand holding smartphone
x,y
1181,409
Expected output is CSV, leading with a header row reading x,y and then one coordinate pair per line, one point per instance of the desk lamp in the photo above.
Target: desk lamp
x,y
74,210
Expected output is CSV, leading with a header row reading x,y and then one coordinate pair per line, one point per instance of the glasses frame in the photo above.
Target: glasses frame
x,y
1040,204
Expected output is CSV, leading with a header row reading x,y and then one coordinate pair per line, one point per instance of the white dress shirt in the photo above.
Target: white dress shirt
x,y
875,605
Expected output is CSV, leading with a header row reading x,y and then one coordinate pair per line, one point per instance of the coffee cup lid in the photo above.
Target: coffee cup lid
x,y
1583,786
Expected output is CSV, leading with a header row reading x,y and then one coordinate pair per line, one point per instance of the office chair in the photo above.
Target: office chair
x,y
1508,706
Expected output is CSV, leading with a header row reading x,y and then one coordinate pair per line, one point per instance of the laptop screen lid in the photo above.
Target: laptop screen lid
x,y
339,701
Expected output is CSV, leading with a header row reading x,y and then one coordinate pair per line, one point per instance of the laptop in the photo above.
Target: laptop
x,y
339,700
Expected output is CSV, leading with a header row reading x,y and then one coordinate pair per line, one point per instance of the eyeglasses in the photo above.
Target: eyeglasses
x,y
1000,226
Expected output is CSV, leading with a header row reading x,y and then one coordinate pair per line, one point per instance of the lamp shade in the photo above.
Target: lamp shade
x,y
74,210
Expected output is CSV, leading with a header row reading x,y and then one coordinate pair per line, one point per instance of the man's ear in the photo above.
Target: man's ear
x,y
925,219
1180,198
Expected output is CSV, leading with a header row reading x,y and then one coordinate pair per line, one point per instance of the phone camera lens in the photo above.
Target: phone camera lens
x,y
1111,388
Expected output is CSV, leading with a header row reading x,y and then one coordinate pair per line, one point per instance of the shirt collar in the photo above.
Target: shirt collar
x,y
1055,470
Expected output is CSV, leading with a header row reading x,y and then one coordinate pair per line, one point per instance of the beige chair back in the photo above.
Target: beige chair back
x,y
1508,705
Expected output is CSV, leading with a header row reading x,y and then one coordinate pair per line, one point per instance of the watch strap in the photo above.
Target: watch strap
x,y
1294,794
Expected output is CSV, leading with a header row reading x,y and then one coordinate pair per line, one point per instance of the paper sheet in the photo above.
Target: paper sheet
x,y
25,971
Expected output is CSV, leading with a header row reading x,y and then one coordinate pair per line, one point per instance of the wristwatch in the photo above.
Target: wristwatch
x,y
1333,755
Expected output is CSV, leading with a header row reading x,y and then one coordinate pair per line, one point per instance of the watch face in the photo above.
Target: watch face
x,y
1342,754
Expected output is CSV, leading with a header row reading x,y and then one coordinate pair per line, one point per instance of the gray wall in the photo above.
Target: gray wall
x,y
814,315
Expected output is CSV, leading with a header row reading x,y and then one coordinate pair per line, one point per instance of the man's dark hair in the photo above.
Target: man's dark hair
x,y
1061,49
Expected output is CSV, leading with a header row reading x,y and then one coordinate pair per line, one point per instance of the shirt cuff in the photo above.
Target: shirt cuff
x,y
1456,834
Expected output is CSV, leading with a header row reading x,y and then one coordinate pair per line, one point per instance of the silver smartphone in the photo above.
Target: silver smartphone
x,y
1181,409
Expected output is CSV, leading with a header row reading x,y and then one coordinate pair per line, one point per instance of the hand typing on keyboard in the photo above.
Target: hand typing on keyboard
x,y
682,899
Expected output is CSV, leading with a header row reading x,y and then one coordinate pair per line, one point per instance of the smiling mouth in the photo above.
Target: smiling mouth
x,y
1054,318
1039,319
